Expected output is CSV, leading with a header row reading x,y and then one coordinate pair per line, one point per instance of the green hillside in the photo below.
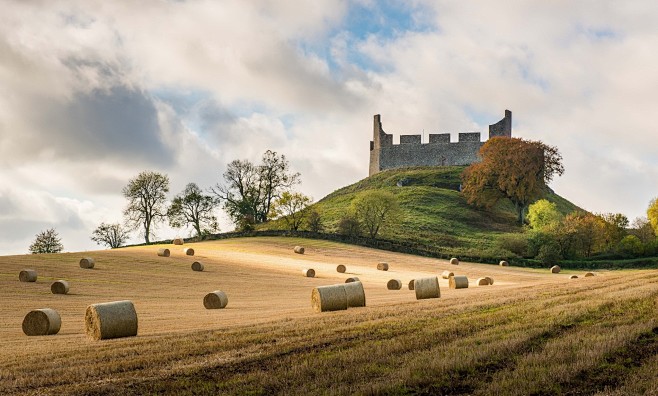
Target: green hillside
x,y
434,211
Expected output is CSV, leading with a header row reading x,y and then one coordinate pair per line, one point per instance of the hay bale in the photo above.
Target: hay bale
x,y
299,249
447,274
329,298
411,284
427,288
352,279
308,272
482,282
587,274
503,263
382,266
341,268
394,284
45,321
188,251
178,241
573,277
356,296
454,261
164,252
555,269
458,282
87,263
27,275
197,266
215,300
490,279
114,319
59,287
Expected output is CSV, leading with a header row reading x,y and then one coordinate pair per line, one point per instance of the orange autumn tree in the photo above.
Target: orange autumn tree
x,y
511,168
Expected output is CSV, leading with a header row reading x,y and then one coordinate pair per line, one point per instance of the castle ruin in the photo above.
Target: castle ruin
x,y
439,151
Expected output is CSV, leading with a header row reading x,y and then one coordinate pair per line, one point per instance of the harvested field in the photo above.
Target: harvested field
x,y
543,335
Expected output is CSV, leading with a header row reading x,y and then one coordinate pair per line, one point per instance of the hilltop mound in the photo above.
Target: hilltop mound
x,y
434,211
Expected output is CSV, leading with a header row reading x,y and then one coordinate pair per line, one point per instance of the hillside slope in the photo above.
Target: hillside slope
x,y
434,211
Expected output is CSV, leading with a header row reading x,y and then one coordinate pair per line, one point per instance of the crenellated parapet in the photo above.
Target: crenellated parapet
x,y
439,151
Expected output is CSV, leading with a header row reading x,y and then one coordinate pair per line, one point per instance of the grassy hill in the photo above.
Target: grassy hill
x,y
434,211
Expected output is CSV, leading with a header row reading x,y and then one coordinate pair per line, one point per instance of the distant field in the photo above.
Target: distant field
x,y
531,332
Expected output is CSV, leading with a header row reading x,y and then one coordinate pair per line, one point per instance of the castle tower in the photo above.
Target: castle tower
x,y
379,139
502,127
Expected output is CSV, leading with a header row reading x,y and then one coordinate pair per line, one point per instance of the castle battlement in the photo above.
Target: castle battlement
x,y
439,151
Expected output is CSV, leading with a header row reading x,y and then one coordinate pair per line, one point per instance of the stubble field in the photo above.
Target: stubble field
x,y
531,332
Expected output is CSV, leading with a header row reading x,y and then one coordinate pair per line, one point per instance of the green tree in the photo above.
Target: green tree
x,y
652,214
47,242
110,235
275,178
631,245
291,208
542,214
642,229
614,229
314,221
511,168
193,207
376,209
147,196
349,225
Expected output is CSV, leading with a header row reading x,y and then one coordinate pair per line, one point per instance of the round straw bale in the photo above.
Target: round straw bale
x,y
394,284
555,269
447,274
454,261
178,241
573,277
215,300
309,272
59,287
114,319
352,279
411,284
341,268
197,266
164,252
427,288
458,282
382,266
588,274
356,297
299,249
188,251
482,282
490,279
503,263
27,275
329,298
43,321
87,263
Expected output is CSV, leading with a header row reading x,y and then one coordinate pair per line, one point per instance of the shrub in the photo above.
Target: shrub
x,y
515,243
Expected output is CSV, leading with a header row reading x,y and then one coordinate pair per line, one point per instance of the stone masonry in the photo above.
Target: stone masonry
x,y
440,151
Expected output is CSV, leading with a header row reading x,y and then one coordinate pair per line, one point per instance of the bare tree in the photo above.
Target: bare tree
x,y
249,190
376,209
110,235
192,207
47,242
147,195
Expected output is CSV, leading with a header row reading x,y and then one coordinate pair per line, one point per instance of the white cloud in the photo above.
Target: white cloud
x,y
93,92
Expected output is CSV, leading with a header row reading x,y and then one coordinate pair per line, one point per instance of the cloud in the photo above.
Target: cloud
x,y
94,92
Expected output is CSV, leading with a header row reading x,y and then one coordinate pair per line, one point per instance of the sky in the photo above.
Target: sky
x,y
93,92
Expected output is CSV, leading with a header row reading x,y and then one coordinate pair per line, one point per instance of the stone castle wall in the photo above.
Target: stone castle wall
x,y
440,151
